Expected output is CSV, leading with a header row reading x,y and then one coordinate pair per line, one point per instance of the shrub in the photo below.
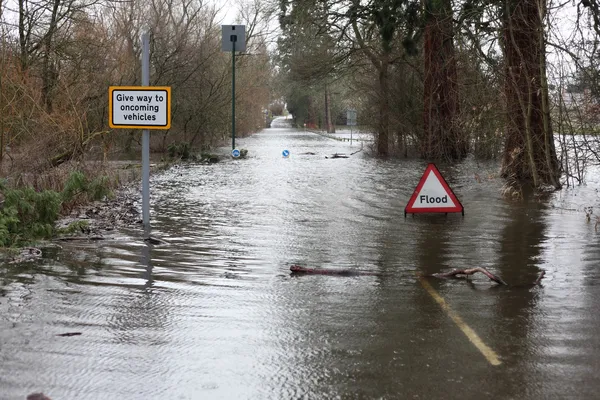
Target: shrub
x,y
27,215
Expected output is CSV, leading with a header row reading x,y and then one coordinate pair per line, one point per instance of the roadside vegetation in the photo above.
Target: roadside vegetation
x,y
57,60
28,215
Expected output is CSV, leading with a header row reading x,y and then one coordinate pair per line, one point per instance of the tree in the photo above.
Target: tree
x,y
380,31
307,55
529,153
442,136
378,26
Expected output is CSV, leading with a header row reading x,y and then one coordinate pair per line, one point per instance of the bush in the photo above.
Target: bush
x,y
27,215
179,150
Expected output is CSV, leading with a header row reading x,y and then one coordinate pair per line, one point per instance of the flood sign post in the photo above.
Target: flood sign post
x,y
234,39
141,107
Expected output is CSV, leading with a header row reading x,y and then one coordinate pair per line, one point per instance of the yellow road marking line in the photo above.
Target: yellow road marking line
x,y
487,352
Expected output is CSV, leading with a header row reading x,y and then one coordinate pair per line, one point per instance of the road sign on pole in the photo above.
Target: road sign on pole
x,y
234,36
146,139
141,107
234,39
351,117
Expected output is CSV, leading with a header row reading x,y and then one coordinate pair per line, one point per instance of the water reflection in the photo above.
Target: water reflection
x,y
214,313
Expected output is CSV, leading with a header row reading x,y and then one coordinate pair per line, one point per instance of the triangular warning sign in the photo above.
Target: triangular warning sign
x,y
433,195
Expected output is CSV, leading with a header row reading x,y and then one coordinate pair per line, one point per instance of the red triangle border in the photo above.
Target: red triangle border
x,y
409,209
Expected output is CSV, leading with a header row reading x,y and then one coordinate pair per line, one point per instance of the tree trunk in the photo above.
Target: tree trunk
x,y
23,36
49,73
529,153
443,139
328,120
383,134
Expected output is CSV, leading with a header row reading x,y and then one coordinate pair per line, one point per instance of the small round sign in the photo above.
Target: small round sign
x,y
285,153
235,153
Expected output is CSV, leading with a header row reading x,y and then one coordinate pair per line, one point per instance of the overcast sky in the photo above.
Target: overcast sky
x,y
229,12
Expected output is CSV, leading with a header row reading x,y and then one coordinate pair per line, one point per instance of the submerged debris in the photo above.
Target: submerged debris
x,y
38,396
329,271
470,271
93,220
338,155
69,334
27,254
154,241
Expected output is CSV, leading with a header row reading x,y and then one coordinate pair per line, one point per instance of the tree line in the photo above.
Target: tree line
x,y
438,79
58,58
441,79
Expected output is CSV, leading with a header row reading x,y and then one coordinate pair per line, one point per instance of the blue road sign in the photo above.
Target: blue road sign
x,y
286,153
235,153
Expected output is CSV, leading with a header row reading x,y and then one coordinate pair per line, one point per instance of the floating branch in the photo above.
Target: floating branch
x,y
470,271
338,155
328,271
69,334
359,150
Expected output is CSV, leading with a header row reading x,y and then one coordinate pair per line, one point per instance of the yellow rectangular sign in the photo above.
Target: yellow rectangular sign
x,y
139,107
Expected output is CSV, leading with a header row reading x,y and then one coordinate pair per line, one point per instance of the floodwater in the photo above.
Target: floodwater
x,y
215,314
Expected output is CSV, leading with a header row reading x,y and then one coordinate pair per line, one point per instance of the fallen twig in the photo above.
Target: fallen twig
x,y
359,150
470,271
73,238
338,155
69,334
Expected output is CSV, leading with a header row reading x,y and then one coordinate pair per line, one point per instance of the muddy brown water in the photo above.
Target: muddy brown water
x,y
215,313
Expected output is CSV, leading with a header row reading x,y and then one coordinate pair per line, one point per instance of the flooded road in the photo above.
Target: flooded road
x,y
215,313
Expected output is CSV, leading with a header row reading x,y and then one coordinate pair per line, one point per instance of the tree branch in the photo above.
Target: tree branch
x,y
469,271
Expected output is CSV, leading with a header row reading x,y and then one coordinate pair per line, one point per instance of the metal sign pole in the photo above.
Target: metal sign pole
x,y
233,95
146,137
234,38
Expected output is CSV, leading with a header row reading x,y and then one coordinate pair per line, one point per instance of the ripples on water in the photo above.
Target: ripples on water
x,y
215,313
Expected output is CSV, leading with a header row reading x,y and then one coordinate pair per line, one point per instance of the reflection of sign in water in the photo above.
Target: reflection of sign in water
x,y
351,117
285,153
235,153
433,195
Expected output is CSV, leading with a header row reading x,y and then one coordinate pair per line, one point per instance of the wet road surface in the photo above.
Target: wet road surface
x,y
215,313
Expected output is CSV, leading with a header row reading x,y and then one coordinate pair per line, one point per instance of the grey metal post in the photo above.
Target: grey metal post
x,y
146,137
233,96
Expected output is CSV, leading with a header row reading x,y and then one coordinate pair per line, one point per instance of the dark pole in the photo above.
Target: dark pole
x,y
233,96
